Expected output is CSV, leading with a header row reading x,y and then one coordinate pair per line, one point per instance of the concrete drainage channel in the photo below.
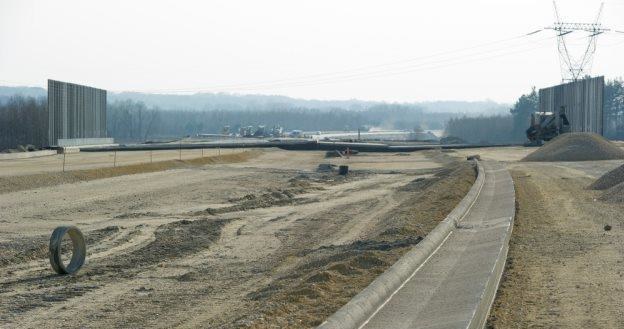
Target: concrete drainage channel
x,y
448,280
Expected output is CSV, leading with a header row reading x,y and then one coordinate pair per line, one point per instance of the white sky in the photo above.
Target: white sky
x,y
226,45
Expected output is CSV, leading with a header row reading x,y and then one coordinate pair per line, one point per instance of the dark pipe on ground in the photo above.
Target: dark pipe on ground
x,y
298,145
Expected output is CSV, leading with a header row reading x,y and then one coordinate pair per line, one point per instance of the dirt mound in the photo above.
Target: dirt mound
x,y
609,180
577,147
326,167
278,197
614,194
367,261
175,239
323,276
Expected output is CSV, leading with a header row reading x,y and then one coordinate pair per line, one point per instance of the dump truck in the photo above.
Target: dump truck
x,y
546,126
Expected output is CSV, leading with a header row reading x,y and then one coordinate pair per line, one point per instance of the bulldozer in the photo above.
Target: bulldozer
x,y
546,126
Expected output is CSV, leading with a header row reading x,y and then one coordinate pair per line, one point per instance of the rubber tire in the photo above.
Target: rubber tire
x,y
79,250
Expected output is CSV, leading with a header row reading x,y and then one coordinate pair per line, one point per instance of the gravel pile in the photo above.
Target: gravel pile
x,y
609,180
613,183
614,194
577,147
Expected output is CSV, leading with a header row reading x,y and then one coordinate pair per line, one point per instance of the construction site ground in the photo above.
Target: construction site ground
x,y
564,270
257,239
263,239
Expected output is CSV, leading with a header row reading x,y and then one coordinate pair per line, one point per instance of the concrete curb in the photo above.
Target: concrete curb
x,y
26,155
479,319
365,304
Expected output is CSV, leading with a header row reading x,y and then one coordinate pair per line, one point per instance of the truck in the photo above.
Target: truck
x,y
546,126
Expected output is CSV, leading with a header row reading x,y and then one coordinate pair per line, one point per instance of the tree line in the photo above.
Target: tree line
x,y
132,121
23,120
614,109
508,128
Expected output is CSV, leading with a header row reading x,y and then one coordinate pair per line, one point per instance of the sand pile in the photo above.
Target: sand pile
x,y
608,180
613,183
577,147
614,194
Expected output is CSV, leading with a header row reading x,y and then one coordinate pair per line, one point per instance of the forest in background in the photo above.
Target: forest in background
x,y
237,102
135,117
134,121
23,118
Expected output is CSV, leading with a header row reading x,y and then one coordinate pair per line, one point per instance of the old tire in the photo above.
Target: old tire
x,y
79,250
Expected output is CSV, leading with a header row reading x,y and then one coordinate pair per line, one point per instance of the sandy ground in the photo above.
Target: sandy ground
x,y
564,270
272,243
504,154
89,160
377,162
269,242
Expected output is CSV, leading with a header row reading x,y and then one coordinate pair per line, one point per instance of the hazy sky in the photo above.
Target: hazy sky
x,y
372,50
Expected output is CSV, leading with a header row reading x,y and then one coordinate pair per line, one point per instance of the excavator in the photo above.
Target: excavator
x,y
546,126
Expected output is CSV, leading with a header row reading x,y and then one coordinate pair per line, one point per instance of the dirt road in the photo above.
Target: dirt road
x,y
564,270
268,242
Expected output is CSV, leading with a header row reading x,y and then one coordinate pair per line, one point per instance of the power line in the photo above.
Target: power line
x,y
404,66
386,74
362,71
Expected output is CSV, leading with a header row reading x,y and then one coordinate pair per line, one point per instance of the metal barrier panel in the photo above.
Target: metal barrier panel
x,y
84,141
75,111
582,100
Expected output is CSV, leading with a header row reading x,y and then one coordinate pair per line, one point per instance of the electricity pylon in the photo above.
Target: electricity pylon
x,y
576,67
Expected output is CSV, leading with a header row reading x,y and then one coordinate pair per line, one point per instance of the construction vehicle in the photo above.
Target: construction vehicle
x,y
546,126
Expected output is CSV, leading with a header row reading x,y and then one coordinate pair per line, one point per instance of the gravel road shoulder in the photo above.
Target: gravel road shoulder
x,y
564,270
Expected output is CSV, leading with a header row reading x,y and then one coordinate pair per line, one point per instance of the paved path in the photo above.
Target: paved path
x,y
455,286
